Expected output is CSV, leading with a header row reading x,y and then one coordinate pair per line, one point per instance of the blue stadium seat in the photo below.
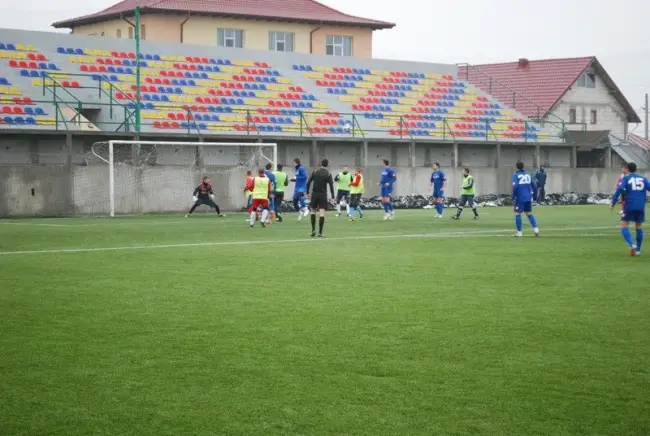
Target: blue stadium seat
x,y
60,50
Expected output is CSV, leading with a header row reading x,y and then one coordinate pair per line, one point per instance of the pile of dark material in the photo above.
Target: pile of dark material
x,y
419,201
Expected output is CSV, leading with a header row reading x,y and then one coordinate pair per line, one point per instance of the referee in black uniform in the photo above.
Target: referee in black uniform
x,y
320,179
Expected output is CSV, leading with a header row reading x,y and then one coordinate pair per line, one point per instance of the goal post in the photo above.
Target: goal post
x,y
132,177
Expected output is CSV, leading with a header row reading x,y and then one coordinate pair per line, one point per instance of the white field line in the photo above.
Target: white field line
x,y
465,234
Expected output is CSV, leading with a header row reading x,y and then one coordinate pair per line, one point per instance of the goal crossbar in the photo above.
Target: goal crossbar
x,y
110,159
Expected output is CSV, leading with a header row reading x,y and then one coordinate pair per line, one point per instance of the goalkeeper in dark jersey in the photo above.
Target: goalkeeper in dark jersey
x,y
203,194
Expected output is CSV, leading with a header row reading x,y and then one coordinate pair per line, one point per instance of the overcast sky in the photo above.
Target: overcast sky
x,y
474,31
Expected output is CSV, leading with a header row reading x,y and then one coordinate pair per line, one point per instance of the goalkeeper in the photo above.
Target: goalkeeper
x,y
203,194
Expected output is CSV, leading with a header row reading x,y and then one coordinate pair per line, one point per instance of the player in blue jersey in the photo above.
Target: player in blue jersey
x,y
634,187
438,184
524,192
386,183
300,190
268,172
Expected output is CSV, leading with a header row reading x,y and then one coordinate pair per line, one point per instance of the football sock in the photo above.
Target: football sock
x,y
313,222
639,239
385,207
348,210
518,223
390,206
338,208
303,203
532,220
627,236
439,208
252,218
321,224
265,215
360,211
475,211
216,207
459,212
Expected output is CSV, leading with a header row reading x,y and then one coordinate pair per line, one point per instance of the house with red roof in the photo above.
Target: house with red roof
x,y
301,26
575,91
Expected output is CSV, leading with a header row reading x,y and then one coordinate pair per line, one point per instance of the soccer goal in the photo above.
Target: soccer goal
x,y
132,177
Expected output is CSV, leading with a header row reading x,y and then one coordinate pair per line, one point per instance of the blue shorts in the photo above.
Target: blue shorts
x,y
633,216
386,191
523,206
298,194
271,203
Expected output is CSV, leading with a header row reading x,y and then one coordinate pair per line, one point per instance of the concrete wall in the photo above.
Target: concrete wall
x,y
202,30
42,175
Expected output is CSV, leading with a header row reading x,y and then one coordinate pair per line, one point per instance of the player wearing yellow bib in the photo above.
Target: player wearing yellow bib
x,y
281,181
467,194
343,180
261,187
357,189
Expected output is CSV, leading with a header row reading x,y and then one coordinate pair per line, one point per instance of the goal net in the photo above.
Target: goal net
x,y
132,177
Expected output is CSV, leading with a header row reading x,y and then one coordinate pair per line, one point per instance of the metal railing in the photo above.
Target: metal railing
x,y
249,122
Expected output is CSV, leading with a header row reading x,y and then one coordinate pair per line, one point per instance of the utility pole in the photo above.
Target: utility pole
x,y
645,109
137,71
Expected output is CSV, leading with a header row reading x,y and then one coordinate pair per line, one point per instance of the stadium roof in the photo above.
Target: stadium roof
x,y
304,11
539,84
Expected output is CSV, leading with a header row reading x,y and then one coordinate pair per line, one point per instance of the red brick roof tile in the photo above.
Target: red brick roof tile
x,y
536,86
639,141
309,11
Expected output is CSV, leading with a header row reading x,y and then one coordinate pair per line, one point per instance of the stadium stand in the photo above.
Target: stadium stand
x,y
53,79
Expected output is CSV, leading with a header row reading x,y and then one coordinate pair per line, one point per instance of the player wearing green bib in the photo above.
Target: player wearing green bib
x,y
343,180
281,182
356,190
467,194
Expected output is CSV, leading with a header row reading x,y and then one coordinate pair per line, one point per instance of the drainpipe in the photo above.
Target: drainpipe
x,y
183,26
128,22
311,37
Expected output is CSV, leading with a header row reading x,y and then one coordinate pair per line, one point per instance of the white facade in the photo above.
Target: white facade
x,y
592,102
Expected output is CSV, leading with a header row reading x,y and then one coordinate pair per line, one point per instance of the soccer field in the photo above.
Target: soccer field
x,y
161,325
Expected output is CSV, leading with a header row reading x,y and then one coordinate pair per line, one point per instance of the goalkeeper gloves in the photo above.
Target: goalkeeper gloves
x,y
211,196
195,198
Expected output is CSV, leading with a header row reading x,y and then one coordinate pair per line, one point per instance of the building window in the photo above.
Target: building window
x,y
118,33
572,115
338,45
281,41
130,32
230,38
594,116
143,32
587,80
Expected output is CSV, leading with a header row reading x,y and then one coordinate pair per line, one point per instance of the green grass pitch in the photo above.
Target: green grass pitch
x,y
161,325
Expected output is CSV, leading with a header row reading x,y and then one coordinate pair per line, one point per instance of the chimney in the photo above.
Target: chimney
x,y
522,63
